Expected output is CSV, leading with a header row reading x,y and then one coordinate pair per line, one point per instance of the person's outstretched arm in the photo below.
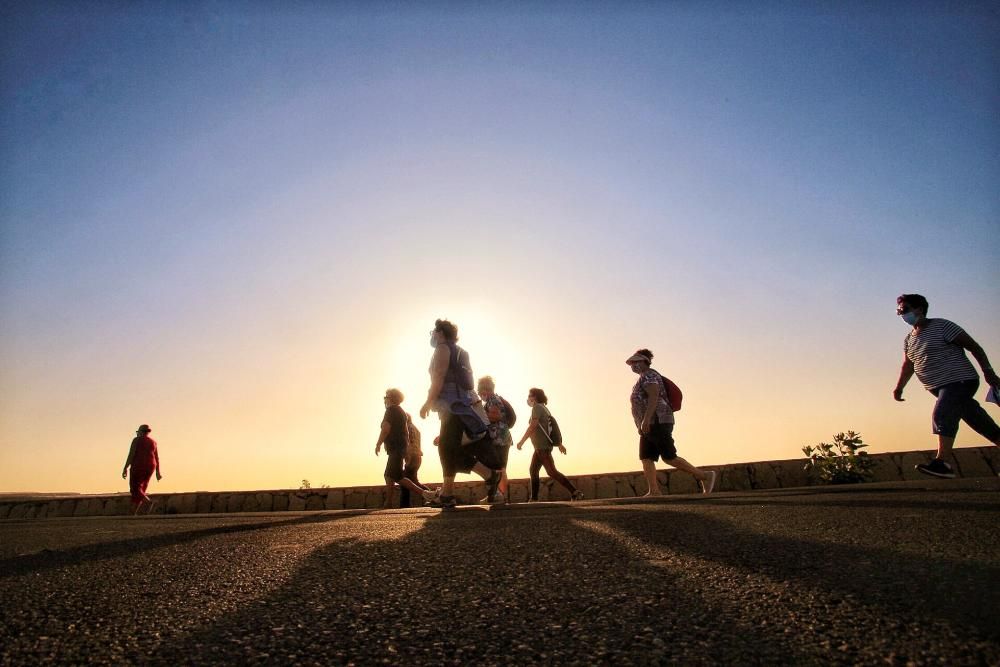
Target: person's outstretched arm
x,y
128,460
905,373
965,340
156,458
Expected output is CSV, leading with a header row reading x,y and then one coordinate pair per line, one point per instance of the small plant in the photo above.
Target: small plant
x,y
305,484
842,462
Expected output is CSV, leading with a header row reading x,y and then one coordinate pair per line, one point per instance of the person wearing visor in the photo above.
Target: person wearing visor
x,y
934,351
143,459
655,420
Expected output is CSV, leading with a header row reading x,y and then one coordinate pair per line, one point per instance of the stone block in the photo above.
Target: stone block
x,y
265,503
605,487
5,510
235,502
909,459
334,499
203,503
682,482
375,498
736,478
220,502
355,500
18,511
188,503
31,511
519,491
557,491
763,476
886,469
316,501
296,502
790,473
250,502
585,485
623,487
991,455
279,502
66,508
971,462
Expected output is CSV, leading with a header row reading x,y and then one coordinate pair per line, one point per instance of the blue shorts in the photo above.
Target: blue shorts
x,y
956,402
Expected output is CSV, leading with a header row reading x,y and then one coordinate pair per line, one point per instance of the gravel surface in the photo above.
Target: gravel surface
x,y
907,575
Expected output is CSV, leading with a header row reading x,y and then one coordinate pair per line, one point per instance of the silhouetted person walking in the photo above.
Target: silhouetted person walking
x,y
934,350
396,436
143,460
540,431
655,420
501,417
451,395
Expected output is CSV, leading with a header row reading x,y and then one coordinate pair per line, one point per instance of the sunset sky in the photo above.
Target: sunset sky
x,y
237,222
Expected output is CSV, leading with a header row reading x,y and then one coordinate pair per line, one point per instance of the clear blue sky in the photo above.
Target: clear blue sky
x,y
229,219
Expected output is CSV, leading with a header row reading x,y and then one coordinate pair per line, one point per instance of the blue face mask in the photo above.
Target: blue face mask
x,y
910,318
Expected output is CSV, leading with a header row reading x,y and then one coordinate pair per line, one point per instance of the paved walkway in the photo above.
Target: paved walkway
x,y
897,574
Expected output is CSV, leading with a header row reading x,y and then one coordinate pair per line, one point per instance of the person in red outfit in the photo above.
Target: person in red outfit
x,y
143,460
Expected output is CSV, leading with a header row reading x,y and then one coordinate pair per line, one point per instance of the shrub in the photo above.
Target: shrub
x,y
842,462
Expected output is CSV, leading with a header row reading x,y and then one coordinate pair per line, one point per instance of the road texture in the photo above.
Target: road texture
x,y
881,574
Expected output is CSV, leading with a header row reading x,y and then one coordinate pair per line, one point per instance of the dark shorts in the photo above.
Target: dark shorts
x,y
956,402
394,466
658,443
456,457
501,452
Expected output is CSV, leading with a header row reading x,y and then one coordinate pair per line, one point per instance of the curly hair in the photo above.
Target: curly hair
x,y
447,329
394,395
487,382
913,301
538,395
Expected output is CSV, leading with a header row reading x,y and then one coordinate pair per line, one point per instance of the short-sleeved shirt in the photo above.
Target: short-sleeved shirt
x,y
396,418
539,438
499,431
639,399
937,360
145,456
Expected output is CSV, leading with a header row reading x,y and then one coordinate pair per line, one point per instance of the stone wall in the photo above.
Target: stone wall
x,y
891,467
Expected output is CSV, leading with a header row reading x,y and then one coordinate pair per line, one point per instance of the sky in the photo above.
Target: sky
x,y
237,222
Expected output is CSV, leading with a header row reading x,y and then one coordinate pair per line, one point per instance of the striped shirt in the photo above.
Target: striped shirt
x,y
937,359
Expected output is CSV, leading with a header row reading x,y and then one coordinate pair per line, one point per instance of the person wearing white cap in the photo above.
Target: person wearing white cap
x,y
654,418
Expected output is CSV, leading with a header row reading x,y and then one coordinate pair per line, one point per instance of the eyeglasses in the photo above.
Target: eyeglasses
x,y
902,309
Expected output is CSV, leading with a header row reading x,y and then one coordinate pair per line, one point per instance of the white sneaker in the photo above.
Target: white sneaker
x,y
708,484
430,495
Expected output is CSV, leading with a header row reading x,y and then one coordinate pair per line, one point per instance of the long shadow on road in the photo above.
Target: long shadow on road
x,y
610,585
51,559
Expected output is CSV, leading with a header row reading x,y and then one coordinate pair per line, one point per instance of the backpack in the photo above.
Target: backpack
x,y
673,394
509,410
555,434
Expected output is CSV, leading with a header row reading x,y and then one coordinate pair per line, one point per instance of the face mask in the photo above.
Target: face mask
x,y
636,368
531,402
910,318
434,340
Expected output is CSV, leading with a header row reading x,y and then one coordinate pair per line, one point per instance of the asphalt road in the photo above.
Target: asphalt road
x,y
906,573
